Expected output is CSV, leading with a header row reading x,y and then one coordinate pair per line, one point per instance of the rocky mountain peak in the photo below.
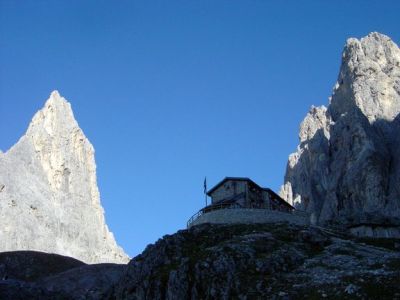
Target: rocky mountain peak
x,y
369,78
376,46
55,117
347,168
61,145
50,184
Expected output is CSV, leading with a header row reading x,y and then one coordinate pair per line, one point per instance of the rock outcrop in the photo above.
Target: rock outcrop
x,y
49,200
270,261
347,166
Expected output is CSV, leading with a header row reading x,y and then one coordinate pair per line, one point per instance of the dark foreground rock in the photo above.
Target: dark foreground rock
x,y
31,265
274,261
38,275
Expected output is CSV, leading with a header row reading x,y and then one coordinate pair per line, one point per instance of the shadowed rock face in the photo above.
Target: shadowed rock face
x,y
41,276
347,166
263,261
31,266
49,200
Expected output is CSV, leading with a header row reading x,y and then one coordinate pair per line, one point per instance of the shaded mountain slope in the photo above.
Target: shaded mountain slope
x,y
262,261
42,276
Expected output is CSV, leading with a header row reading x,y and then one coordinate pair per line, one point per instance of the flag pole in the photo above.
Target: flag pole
x,y
205,189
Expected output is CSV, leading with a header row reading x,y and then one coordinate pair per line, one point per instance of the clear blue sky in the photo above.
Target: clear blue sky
x,y
171,91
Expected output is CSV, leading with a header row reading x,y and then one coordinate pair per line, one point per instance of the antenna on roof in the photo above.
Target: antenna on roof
x,y
205,188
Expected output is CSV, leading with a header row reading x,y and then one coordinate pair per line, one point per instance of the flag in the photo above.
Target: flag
x,y
205,185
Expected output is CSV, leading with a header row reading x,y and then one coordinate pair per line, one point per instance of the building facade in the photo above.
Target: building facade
x,y
245,193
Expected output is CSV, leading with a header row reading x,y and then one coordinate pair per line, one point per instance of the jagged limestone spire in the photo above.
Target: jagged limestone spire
x,y
51,187
347,166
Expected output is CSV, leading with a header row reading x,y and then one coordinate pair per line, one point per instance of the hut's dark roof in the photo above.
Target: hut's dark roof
x,y
233,179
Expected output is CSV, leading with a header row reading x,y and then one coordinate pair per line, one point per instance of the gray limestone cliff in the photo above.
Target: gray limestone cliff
x,y
49,200
347,167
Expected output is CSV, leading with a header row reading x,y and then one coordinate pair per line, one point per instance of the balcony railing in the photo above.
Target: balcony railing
x,y
210,208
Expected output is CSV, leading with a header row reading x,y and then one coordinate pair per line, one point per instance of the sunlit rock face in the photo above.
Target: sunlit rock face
x,y
49,200
347,166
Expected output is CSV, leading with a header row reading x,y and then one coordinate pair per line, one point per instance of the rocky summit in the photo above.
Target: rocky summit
x,y
49,199
346,169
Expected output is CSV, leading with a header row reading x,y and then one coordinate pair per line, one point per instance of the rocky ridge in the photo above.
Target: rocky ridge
x,y
346,169
270,261
49,199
